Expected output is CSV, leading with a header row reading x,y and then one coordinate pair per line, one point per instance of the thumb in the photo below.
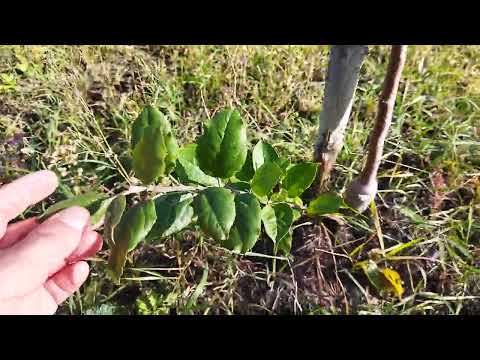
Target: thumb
x,y
43,252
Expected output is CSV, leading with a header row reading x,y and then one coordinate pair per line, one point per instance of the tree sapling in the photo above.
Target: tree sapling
x,y
342,78
362,190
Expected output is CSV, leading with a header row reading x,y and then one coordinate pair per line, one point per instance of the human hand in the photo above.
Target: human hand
x,y
41,264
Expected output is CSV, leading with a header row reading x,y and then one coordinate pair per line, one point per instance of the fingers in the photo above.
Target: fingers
x,y
17,196
45,299
89,245
38,302
68,280
17,231
42,253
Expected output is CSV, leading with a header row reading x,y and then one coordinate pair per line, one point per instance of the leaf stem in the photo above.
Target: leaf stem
x,y
160,189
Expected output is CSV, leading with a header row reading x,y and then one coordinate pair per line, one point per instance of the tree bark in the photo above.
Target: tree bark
x,y
342,79
363,189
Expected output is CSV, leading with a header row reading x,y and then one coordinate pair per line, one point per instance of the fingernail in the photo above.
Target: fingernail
x,y
75,217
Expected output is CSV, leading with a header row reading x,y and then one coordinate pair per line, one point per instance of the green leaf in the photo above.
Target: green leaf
x,y
285,244
139,220
83,200
153,303
113,215
412,215
100,211
263,153
132,229
299,178
284,219
247,226
373,274
280,196
269,221
240,186
215,208
297,201
297,214
174,213
222,149
188,170
154,146
325,204
7,82
247,171
284,163
149,118
277,220
265,179
198,291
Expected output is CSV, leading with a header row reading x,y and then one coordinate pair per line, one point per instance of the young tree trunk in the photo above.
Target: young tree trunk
x,y
342,78
362,190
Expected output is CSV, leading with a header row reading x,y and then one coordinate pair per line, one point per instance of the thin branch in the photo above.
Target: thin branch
x,y
362,190
386,105
160,189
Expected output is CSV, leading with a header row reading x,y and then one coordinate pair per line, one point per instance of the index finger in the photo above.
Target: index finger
x,y
18,195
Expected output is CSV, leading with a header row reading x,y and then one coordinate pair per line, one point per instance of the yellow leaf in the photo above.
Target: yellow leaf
x,y
394,281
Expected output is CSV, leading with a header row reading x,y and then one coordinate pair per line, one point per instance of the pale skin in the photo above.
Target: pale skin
x,y
41,264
